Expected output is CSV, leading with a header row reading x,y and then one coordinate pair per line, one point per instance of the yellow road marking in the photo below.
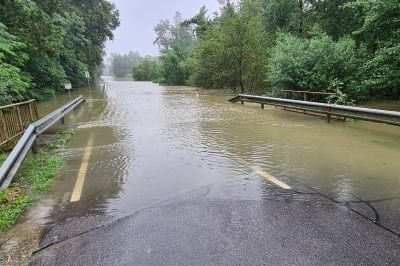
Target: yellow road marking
x,y
76,194
265,175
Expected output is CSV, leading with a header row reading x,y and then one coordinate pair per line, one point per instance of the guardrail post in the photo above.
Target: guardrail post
x,y
241,100
262,106
34,147
328,115
62,120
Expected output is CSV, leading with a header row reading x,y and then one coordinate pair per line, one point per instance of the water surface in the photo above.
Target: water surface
x,y
154,143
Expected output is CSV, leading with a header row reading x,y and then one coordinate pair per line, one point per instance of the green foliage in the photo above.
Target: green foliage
x,y
59,41
175,42
315,64
172,67
176,34
201,22
122,64
13,82
231,53
281,16
33,179
333,18
380,35
10,213
61,138
145,71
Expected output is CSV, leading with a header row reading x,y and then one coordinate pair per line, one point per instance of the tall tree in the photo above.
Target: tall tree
x,y
232,52
13,82
175,41
62,38
379,34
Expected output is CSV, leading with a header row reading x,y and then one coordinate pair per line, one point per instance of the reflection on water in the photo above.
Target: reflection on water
x,y
154,143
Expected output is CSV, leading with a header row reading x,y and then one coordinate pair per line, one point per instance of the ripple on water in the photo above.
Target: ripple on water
x,y
167,140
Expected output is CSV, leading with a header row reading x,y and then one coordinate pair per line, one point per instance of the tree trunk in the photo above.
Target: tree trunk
x,y
301,7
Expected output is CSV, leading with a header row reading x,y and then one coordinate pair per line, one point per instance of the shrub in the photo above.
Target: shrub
x,y
315,64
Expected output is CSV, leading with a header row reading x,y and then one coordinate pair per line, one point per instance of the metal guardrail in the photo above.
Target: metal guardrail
x,y
28,141
328,110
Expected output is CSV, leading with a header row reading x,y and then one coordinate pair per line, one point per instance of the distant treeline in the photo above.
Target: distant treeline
x,y
47,43
344,46
132,64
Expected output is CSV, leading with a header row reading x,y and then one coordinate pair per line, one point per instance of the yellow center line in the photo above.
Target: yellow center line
x,y
76,194
265,175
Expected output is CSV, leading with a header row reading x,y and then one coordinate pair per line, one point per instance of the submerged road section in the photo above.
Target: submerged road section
x,y
163,176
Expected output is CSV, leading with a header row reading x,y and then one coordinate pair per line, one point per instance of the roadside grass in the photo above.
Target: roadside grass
x,y
33,179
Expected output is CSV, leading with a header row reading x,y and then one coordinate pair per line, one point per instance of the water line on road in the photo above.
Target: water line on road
x,y
162,203
77,192
346,204
264,174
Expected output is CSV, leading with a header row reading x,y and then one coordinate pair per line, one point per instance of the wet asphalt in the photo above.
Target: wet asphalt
x,y
201,229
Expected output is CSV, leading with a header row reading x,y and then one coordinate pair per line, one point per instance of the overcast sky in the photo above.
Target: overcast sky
x,y
139,17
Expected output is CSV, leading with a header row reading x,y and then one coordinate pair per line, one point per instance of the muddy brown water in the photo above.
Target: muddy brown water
x,y
153,143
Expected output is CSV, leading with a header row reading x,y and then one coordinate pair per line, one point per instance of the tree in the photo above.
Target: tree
x,y
122,64
62,38
101,18
251,45
281,15
200,21
145,71
316,64
175,42
13,82
232,53
379,34
333,18
176,34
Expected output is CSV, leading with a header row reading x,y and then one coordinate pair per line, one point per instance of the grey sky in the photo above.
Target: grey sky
x,y
139,17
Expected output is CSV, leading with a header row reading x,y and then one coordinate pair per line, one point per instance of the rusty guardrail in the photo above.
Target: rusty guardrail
x,y
328,110
28,141
14,118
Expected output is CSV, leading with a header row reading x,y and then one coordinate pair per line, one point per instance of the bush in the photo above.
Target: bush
x,y
145,71
315,64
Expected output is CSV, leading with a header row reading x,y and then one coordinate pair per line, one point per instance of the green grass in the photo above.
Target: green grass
x,y
33,179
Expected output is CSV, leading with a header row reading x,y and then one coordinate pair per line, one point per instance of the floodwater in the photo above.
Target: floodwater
x,y
153,143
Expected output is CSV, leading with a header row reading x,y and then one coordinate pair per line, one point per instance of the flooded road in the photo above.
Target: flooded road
x,y
140,145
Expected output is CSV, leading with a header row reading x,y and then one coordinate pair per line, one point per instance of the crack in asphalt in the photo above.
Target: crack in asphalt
x,y
168,202
346,204
119,219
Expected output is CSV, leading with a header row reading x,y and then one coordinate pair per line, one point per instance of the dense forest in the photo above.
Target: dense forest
x,y
260,46
47,43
